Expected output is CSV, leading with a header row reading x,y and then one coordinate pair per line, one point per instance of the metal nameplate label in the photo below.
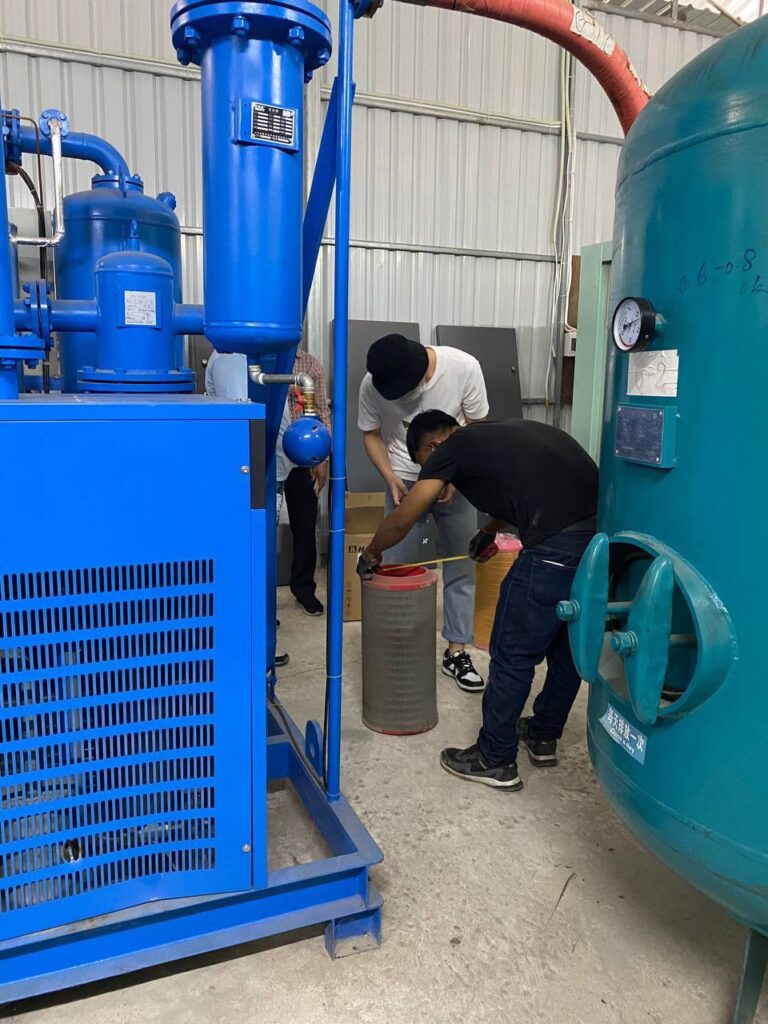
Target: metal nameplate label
x,y
623,733
273,124
639,434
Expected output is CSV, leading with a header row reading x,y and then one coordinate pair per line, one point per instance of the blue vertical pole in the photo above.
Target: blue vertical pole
x,y
338,455
9,376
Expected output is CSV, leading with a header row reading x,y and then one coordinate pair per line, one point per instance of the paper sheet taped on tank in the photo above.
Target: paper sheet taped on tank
x,y
653,374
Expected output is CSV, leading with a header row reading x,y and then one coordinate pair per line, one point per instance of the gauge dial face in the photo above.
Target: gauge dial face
x,y
627,324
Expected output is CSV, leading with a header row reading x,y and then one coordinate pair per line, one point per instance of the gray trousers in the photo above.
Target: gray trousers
x,y
456,525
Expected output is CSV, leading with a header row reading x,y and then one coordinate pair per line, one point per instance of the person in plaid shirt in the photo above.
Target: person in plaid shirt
x,y
302,487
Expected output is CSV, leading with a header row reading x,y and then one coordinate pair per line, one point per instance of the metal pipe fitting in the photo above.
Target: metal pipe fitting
x,y
57,220
303,381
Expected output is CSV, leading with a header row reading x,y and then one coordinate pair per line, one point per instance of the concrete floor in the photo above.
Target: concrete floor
x,y
475,931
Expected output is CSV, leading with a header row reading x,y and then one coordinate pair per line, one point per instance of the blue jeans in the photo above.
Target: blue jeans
x,y
526,630
456,525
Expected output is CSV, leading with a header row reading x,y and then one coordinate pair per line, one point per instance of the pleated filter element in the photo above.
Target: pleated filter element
x,y
399,621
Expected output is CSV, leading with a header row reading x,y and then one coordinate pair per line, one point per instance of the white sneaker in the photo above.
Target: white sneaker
x,y
459,667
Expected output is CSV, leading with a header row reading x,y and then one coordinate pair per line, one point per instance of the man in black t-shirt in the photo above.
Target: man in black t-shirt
x,y
540,481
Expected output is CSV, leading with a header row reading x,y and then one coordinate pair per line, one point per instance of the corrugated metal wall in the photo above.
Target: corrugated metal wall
x,y
451,214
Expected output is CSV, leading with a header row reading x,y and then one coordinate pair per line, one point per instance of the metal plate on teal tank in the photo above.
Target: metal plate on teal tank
x,y
691,237
646,434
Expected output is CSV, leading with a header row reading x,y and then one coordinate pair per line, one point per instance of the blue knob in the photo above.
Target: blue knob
x,y
307,442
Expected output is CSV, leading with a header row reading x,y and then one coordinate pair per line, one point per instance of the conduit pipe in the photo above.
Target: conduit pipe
x,y
576,31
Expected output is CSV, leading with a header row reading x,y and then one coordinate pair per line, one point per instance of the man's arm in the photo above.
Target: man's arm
x,y
376,450
421,497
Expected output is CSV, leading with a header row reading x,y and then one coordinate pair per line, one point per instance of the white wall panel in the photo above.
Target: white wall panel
x,y
432,181
656,52
432,289
153,120
136,27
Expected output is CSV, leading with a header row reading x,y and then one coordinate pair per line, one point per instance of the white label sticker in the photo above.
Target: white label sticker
x,y
622,732
653,374
141,308
583,24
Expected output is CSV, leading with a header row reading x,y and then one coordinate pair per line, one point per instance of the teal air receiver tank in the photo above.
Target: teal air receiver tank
x,y
98,222
667,616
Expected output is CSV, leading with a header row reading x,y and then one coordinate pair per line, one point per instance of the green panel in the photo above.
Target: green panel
x,y
591,346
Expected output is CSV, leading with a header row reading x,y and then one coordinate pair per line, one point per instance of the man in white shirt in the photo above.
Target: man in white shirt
x,y
405,378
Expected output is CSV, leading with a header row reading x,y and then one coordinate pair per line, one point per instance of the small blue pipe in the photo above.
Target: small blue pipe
x,y
65,315
335,626
83,315
187,319
74,315
77,146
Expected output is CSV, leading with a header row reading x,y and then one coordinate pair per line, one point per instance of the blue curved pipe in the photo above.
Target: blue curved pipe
x,y
77,146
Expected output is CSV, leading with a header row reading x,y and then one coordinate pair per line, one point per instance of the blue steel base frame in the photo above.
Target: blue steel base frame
x,y
336,890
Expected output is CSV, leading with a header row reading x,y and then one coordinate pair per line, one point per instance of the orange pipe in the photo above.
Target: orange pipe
x,y
579,33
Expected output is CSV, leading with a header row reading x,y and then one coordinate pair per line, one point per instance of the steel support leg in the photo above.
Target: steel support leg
x,y
357,933
752,974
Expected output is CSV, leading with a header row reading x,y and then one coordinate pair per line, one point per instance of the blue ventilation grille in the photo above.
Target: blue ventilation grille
x,y
107,737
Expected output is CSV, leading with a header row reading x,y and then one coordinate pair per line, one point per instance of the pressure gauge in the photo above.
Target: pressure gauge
x,y
634,324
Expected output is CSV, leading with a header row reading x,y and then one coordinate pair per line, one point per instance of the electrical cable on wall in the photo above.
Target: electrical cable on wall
x,y
562,226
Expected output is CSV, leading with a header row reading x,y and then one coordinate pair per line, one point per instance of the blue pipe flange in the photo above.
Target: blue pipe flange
x,y
38,305
53,114
42,296
11,121
195,23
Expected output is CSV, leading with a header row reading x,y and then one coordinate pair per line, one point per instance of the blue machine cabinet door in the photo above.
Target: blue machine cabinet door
x,y
125,659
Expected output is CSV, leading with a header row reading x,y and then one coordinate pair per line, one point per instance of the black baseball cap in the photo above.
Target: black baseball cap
x,y
396,365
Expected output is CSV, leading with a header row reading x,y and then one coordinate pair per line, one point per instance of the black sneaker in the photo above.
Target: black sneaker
x,y
281,660
310,605
542,753
459,667
468,764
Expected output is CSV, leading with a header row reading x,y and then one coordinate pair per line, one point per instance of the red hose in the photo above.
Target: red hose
x,y
576,31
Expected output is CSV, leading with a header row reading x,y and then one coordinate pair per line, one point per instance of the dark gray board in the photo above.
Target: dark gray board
x,y
495,348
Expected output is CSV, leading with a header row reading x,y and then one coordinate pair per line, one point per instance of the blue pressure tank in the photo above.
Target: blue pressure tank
x,y
98,222
666,612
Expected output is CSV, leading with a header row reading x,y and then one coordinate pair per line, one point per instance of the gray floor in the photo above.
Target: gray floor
x,y
475,929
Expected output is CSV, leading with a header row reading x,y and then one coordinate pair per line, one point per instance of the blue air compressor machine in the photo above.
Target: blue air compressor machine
x,y
139,721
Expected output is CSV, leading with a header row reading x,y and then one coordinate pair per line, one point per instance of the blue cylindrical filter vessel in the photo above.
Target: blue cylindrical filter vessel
x,y
98,222
679,699
253,60
135,342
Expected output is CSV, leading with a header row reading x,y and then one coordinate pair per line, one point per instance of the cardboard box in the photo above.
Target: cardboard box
x,y
365,511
